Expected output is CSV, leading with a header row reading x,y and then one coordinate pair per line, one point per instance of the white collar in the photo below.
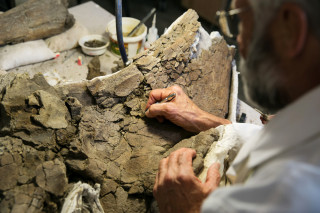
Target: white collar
x,y
293,125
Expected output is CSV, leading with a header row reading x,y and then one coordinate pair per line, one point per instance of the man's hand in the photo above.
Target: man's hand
x,y
180,111
177,189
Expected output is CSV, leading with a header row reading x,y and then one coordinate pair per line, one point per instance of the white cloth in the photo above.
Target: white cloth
x,y
68,39
231,138
284,163
25,53
83,198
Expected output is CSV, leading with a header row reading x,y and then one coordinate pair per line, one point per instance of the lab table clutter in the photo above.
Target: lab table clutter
x,y
59,57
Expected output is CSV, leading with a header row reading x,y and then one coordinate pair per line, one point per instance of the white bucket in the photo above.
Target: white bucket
x,y
132,44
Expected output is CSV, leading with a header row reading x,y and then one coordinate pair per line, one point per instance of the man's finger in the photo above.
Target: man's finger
x,y
154,96
185,159
156,183
185,172
156,110
173,163
163,168
213,177
157,95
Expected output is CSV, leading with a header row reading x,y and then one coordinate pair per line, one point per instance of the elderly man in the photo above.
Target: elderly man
x,y
278,170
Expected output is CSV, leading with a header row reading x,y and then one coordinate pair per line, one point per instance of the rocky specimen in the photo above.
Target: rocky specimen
x,y
94,68
178,58
96,131
34,20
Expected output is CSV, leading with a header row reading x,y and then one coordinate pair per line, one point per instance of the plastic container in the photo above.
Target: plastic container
x,y
152,35
93,51
132,44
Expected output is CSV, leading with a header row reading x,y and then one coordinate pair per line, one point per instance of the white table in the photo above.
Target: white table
x,y
92,16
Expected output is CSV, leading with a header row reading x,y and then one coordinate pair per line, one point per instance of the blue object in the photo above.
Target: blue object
x,y
119,32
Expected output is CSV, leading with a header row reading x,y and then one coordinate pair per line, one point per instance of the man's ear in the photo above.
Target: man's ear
x,y
293,27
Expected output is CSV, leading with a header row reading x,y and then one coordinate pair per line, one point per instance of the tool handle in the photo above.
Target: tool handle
x,y
142,22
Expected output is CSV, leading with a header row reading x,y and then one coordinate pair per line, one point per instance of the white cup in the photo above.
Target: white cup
x,y
132,44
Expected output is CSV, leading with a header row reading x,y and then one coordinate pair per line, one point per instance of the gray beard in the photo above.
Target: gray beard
x,y
263,85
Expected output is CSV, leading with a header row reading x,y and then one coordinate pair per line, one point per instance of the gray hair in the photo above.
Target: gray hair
x,y
264,11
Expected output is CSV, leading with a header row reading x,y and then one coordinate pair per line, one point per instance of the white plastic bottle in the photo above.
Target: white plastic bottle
x,y
152,34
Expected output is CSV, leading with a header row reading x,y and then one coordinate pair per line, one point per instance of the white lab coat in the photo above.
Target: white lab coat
x,y
278,170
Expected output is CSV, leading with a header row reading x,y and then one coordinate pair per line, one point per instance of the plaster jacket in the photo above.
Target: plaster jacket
x,y
278,169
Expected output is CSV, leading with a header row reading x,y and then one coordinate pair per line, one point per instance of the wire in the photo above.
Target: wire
x,y
119,32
